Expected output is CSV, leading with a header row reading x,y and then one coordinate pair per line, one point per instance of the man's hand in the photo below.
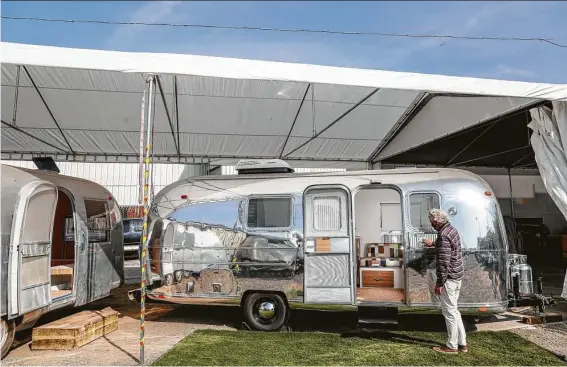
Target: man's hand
x,y
427,242
438,290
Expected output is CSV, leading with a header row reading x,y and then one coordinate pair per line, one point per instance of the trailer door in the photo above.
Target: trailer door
x,y
30,248
329,275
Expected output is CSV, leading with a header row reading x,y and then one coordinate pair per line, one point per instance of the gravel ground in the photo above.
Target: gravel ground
x,y
552,337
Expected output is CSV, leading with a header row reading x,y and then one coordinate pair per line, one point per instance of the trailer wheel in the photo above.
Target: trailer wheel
x,y
265,311
178,276
7,332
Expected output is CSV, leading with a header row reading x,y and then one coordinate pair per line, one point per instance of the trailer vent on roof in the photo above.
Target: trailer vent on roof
x,y
258,166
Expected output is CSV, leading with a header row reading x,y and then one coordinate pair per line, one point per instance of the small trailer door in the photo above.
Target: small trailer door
x,y
30,248
329,275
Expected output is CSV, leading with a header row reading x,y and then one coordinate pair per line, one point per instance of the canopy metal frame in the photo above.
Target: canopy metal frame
x,y
48,109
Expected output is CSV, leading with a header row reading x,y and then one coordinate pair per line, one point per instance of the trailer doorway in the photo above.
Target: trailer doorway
x,y
378,228
63,247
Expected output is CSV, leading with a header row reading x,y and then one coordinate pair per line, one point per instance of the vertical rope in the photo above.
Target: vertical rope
x,y
146,202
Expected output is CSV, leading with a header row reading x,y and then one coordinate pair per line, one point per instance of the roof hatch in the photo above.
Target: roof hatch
x,y
259,166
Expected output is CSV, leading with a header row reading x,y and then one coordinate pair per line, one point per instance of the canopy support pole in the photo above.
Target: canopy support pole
x,y
15,112
490,155
48,109
141,157
146,180
168,115
34,137
511,195
176,109
295,118
334,121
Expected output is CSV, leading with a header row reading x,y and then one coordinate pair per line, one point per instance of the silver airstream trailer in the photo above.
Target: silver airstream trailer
x,y
268,239
61,246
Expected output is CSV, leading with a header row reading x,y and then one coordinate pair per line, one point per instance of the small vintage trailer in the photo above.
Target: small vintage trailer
x,y
61,246
268,239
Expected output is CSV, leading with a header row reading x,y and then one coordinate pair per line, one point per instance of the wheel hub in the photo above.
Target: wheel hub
x,y
267,310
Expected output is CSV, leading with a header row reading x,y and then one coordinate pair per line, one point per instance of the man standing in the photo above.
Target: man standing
x,y
450,272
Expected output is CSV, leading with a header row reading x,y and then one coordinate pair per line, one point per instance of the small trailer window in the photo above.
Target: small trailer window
x,y
327,213
98,220
420,205
269,212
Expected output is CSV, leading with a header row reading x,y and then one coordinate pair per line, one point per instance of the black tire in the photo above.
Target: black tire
x,y
256,321
9,336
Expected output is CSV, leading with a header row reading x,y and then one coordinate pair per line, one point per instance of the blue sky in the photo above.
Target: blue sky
x,y
526,61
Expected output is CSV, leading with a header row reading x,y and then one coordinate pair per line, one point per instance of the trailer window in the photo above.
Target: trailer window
x,y
420,205
98,221
269,212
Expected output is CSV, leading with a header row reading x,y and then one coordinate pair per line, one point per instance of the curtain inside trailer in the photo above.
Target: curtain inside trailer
x,y
549,142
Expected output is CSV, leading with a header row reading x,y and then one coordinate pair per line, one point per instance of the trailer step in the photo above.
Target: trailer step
x,y
379,321
378,318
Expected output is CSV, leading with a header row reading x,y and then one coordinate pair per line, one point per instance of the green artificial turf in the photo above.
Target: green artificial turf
x,y
246,348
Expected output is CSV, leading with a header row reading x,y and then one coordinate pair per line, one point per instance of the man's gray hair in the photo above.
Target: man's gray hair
x,y
438,216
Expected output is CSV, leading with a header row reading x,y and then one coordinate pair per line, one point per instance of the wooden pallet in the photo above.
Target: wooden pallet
x,y
75,331
549,317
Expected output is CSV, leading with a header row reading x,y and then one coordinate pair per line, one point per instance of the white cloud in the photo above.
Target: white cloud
x,y
151,12
505,70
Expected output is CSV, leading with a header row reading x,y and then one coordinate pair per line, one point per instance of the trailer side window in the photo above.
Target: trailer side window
x,y
420,205
272,212
98,221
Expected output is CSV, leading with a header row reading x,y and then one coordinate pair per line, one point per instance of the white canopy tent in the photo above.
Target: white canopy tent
x,y
84,105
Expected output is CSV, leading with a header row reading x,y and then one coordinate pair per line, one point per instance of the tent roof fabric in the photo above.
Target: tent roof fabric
x,y
79,104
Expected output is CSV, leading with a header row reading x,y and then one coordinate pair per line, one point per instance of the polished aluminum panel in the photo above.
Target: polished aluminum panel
x,y
476,217
328,270
273,258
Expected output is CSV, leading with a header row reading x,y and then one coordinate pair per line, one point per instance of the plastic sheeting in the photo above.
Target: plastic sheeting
x,y
549,142
223,109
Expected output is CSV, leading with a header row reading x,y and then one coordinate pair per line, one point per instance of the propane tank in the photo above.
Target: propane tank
x,y
513,270
525,271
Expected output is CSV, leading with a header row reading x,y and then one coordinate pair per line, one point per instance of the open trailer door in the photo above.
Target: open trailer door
x,y
328,245
30,248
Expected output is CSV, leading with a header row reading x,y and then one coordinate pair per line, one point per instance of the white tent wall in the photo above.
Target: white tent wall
x,y
549,142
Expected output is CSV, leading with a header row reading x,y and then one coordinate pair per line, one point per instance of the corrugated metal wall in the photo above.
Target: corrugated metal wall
x,y
121,179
